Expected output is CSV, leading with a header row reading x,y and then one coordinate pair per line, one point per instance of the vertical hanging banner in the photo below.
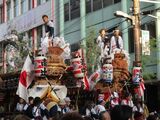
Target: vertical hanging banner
x,y
145,42
136,75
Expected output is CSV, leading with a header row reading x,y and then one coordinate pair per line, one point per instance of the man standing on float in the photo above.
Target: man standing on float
x,y
49,29
116,41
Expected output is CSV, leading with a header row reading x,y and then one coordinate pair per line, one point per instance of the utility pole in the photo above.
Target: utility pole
x,y
136,32
135,18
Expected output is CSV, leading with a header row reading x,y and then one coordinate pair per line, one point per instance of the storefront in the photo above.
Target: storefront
x,y
8,87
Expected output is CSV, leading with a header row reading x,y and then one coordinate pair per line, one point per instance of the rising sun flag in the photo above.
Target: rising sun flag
x,y
26,78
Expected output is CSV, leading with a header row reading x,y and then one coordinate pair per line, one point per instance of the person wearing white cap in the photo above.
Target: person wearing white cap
x,y
68,102
100,107
115,99
62,106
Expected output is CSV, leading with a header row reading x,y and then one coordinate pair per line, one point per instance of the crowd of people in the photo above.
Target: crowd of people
x,y
37,109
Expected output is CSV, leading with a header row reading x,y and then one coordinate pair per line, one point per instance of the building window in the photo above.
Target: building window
x,y
88,6
39,2
39,35
116,1
1,14
107,3
75,8
151,27
66,12
97,4
8,10
29,4
15,8
22,6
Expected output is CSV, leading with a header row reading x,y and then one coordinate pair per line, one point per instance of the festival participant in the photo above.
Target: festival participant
x,y
138,116
39,111
127,100
100,41
49,28
100,106
48,39
68,101
121,112
141,109
28,107
20,105
87,118
89,109
104,116
52,107
30,102
101,38
153,116
114,99
145,109
106,48
72,116
61,108
116,41
138,107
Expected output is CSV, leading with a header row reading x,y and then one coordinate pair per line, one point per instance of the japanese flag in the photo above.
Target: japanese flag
x,y
26,78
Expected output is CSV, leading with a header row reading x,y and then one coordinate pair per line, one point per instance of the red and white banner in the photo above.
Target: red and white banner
x,y
93,79
86,82
137,75
26,78
140,89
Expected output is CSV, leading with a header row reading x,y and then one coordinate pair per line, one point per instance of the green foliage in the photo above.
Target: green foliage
x,y
17,52
149,76
148,60
92,51
22,46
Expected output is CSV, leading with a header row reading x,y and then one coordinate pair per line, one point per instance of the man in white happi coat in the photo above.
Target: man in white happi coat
x,y
116,41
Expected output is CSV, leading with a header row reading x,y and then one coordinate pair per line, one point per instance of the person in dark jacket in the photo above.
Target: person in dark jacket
x,y
37,110
121,112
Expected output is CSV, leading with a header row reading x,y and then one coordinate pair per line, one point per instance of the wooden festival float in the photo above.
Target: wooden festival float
x,y
54,80
49,70
114,75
